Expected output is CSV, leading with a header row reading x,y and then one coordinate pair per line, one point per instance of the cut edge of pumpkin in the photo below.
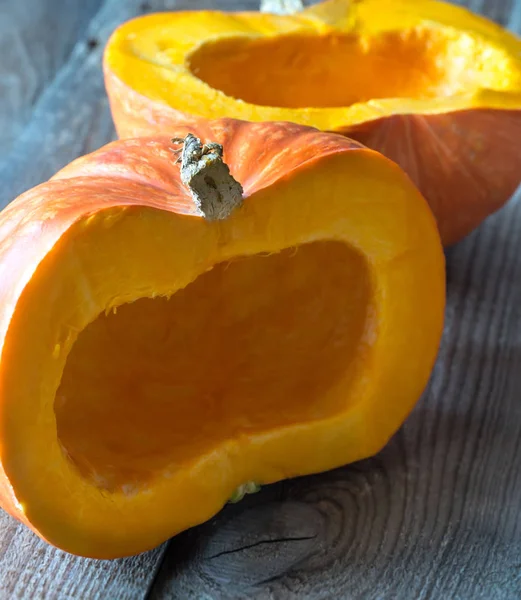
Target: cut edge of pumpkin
x,y
406,267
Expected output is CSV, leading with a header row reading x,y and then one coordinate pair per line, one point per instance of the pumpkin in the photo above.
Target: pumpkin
x,y
174,335
432,86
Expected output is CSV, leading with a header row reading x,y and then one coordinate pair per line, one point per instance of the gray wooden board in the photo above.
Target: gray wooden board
x,y
435,515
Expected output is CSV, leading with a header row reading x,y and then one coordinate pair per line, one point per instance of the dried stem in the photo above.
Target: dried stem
x,y
249,487
214,191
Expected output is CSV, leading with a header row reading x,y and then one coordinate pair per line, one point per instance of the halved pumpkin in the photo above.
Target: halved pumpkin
x,y
432,86
154,361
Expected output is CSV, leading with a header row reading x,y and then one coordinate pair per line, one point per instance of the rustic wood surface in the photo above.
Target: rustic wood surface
x,y
435,515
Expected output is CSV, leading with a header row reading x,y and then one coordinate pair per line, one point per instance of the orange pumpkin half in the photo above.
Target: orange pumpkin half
x,y
432,86
153,361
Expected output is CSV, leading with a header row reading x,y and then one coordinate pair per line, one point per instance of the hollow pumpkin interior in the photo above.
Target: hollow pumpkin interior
x,y
249,346
338,69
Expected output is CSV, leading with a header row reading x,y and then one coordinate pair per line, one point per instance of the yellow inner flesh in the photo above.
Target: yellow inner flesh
x,y
249,346
339,69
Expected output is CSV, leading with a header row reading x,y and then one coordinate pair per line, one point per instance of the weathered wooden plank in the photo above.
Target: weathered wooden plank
x,y
31,569
498,10
514,20
35,41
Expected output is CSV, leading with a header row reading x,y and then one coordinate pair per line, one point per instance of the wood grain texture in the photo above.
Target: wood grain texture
x,y
434,515
31,569
35,41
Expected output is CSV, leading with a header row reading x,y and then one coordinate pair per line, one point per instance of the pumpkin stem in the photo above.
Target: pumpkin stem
x,y
214,191
281,7
249,487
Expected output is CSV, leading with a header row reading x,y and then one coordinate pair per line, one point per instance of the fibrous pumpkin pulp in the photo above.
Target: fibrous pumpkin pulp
x,y
432,86
160,356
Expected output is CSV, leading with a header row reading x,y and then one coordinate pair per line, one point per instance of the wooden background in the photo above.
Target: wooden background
x,y
437,514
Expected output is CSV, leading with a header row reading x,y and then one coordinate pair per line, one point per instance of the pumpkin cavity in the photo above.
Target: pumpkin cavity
x,y
250,346
338,69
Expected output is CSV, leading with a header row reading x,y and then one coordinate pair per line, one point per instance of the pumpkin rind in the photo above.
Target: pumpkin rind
x,y
471,127
118,226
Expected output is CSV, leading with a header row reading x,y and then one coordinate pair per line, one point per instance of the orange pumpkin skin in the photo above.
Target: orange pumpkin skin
x,y
467,164
110,441
454,129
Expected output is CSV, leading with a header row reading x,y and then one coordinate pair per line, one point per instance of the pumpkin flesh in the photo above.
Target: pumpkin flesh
x,y
250,346
433,87
153,362
328,70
